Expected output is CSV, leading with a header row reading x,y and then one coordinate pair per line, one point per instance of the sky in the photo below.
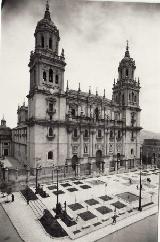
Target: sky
x,y
93,35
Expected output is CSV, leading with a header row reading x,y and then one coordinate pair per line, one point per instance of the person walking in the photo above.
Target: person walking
x,y
12,197
114,219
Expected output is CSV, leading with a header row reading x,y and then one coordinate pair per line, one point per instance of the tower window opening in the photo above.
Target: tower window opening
x,y
50,132
34,76
86,133
111,134
73,112
42,41
50,106
44,76
132,97
126,72
85,148
75,133
50,155
56,79
50,117
123,99
99,133
50,75
50,43
135,99
132,151
96,113
132,135
119,134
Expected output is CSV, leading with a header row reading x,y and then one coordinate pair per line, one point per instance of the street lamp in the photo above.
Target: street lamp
x,y
57,205
140,183
37,169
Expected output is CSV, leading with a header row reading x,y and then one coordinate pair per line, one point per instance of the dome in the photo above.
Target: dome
x,y
46,23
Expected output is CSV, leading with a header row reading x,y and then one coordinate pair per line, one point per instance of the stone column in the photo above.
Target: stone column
x,y
90,144
16,171
81,144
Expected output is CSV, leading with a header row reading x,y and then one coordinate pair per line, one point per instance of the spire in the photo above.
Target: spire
x,y
47,12
104,95
67,88
89,90
96,92
127,50
79,88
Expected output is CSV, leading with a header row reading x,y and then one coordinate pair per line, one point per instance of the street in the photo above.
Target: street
x,y
7,231
145,230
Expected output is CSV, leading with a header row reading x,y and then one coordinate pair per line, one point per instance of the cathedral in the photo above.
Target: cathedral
x,y
72,128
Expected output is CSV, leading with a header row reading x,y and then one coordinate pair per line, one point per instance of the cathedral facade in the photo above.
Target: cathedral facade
x,y
73,128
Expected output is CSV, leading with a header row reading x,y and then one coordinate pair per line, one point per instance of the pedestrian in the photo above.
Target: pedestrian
x,y
65,205
114,219
12,197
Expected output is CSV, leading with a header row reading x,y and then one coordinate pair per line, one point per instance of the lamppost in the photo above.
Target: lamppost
x,y
57,204
52,172
140,183
37,169
27,180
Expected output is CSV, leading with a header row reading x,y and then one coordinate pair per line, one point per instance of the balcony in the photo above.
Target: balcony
x,y
50,137
51,111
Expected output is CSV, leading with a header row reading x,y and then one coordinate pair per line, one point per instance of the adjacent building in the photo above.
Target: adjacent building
x,y
151,151
72,128
5,139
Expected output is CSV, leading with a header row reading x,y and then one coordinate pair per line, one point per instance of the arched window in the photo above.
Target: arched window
x,y
126,72
50,155
51,107
135,98
42,41
44,76
86,133
123,99
56,79
132,152
119,134
96,113
75,133
132,97
111,134
50,43
50,132
50,75
99,133
129,97
73,112
34,76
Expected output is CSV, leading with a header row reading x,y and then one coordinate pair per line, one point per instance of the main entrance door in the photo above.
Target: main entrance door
x,y
99,159
74,162
5,152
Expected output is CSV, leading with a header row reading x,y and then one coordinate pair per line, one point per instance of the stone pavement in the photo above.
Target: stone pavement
x,y
30,229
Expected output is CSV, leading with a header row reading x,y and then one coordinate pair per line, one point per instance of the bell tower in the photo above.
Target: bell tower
x,y
46,65
126,98
126,89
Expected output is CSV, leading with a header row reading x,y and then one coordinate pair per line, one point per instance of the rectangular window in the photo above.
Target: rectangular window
x,y
99,133
50,106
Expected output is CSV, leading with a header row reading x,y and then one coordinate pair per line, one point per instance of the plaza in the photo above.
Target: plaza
x,y
91,203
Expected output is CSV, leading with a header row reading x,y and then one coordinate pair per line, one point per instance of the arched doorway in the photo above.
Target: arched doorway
x,y
74,162
98,158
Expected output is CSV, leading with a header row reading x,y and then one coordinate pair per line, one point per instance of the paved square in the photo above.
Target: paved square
x,y
75,206
72,189
85,186
78,183
128,196
118,205
59,192
91,202
87,215
105,198
104,210
65,184
52,187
